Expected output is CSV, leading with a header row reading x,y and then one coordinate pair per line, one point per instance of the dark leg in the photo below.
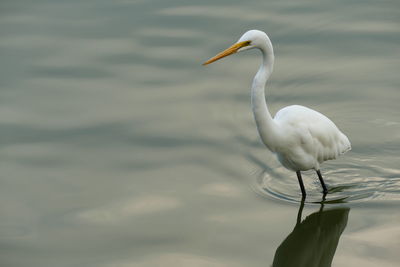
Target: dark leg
x,y
322,182
299,213
303,191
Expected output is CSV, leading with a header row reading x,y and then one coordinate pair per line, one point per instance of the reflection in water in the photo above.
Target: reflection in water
x,y
116,150
312,242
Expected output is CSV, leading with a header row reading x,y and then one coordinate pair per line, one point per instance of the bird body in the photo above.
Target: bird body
x,y
301,138
308,138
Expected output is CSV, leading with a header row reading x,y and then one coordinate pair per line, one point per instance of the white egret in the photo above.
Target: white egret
x,y
301,138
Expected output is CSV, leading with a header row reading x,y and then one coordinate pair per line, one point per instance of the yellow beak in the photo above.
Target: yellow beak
x,y
231,50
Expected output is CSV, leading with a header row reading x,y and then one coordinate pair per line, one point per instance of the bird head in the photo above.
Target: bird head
x,y
250,39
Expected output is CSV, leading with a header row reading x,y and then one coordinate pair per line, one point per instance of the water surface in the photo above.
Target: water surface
x,y
119,149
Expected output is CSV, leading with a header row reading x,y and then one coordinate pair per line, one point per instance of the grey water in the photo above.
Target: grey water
x,y
117,148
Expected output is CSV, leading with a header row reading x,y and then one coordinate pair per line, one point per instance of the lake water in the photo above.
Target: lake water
x,y
119,149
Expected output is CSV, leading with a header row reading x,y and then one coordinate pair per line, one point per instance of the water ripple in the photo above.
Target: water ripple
x,y
355,182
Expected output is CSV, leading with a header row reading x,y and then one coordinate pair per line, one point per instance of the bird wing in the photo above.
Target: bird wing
x,y
315,133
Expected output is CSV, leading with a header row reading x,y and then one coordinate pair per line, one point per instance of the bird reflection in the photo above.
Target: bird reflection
x,y
313,241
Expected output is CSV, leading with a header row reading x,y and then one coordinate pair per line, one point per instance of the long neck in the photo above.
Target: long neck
x,y
267,127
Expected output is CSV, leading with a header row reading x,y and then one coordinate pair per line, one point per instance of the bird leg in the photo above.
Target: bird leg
x,y
325,190
303,191
299,213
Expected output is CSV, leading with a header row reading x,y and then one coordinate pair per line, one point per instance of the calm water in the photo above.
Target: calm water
x,y
119,149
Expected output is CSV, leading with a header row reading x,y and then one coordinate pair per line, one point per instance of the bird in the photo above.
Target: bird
x,y
300,137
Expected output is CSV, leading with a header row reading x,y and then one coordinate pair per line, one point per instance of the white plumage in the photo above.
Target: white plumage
x,y
310,138
302,138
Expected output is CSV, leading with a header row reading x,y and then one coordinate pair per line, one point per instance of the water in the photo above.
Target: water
x,y
119,149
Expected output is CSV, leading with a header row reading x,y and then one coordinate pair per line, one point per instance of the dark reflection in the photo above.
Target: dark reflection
x,y
313,242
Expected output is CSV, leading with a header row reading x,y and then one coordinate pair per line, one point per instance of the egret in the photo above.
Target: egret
x,y
300,137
